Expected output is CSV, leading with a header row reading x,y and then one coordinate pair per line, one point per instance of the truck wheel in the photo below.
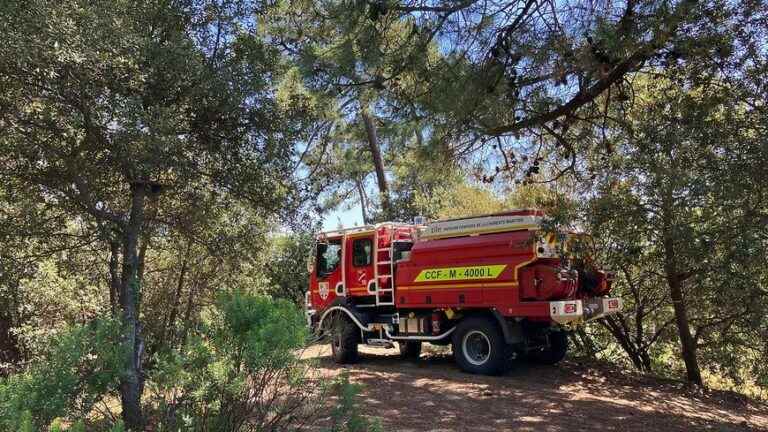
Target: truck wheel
x,y
344,339
479,347
553,352
410,350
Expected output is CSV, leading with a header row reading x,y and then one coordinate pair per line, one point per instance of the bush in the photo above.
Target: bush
x,y
241,372
80,367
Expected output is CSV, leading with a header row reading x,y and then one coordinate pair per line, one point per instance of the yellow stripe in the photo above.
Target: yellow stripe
x,y
457,286
444,274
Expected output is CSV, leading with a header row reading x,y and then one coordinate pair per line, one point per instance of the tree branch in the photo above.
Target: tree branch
x,y
437,9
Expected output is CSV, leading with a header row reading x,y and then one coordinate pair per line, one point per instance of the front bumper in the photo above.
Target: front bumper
x,y
575,311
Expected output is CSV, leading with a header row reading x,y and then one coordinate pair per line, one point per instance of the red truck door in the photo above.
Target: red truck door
x,y
359,264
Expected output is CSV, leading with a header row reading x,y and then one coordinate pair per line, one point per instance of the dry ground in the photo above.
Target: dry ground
x,y
434,395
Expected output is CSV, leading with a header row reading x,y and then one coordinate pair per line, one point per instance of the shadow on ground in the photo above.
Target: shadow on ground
x,y
432,394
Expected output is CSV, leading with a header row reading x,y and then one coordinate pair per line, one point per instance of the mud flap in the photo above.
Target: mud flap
x,y
513,334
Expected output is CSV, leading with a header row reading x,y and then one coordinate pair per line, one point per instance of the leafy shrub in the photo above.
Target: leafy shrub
x,y
241,372
80,367
25,422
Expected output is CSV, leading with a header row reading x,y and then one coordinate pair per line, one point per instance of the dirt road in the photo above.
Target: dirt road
x,y
434,395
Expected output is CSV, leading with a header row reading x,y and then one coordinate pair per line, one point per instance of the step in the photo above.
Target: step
x,y
384,262
381,343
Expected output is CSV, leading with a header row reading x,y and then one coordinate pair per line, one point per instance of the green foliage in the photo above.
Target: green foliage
x,y
25,422
81,366
286,264
241,372
680,201
78,426
501,73
242,113
116,137
461,200
260,331
57,296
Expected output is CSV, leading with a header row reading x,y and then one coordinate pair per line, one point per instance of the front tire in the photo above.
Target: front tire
x,y
479,347
553,352
344,339
410,350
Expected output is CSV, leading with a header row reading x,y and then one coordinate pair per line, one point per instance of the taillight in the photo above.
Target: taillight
x,y
569,308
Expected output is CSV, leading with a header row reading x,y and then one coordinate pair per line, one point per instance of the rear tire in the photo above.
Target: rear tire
x,y
344,339
410,350
553,352
479,347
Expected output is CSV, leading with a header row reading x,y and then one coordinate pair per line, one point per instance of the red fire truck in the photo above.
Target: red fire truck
x,y
495,287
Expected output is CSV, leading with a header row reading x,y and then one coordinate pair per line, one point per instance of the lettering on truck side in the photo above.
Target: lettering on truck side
x,y
460,273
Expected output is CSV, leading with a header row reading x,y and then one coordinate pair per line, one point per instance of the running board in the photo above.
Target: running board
x,y
380,343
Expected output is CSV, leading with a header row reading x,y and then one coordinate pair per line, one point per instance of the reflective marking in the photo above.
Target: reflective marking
x,y
460,273
476,285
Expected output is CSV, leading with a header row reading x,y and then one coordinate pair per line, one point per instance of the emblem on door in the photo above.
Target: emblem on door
x,y
323,290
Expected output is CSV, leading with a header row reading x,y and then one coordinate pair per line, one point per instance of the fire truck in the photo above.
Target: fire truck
x,y
495,287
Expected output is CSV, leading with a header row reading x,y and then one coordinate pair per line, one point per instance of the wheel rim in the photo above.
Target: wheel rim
x,y
476,347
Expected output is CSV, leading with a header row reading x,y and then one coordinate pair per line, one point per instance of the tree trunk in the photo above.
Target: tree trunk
x,y
144,244
363,201
378,162
687,342
9,344
190,306
10,348
169,334
131,384
637,355
114,275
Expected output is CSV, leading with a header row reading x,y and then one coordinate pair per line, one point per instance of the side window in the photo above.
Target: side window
x,y
362,249
328,257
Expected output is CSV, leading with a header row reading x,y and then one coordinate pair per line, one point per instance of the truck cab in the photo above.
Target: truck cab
x,y
494,286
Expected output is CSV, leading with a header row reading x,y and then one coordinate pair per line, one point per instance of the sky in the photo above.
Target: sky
x,y
347,217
